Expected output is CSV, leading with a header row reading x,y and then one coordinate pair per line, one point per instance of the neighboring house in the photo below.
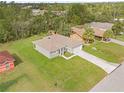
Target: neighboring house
x,y
37,12
27,7
6,61
98,28
119,19
55,45
59,13
77,32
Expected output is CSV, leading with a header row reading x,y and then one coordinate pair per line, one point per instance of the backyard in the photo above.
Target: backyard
x,y
35,72
108,51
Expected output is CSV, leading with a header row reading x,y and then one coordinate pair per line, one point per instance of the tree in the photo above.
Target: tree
x,y
79,14
2,33
88,35
117,28
14,22
17,23
108,34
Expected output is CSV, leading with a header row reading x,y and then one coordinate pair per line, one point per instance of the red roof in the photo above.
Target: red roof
x,y
5,56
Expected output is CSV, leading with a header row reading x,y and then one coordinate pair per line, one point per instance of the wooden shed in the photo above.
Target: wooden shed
x,y
6,61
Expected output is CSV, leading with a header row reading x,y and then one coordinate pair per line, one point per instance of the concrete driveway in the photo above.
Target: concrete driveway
x,y
117,42
106,66
111,83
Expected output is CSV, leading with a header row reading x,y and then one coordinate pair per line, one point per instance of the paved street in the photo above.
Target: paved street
x,y
106,66
112,83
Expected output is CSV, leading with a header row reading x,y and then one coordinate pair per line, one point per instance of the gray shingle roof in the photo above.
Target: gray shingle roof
x,y
56,41
101,25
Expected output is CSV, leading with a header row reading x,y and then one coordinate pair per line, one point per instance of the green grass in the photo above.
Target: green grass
x,y
120,37
35,72
109,51
67,54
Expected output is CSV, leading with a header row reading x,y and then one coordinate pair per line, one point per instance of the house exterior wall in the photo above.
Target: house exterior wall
x,y
43,51
78,48
58,52
11,65
8,66
72,50
54,54
47,53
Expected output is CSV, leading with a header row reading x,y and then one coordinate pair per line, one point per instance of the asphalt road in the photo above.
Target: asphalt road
x,y
112,83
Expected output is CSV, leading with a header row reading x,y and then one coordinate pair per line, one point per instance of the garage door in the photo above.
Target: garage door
x,y
76,49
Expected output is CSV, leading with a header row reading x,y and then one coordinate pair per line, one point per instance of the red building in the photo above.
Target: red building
x,y
6,61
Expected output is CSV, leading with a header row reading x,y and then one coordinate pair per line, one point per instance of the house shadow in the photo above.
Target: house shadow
x,y
17,59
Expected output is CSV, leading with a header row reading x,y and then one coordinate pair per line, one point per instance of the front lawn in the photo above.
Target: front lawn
x,y
35,72
108,51
120,37
67,54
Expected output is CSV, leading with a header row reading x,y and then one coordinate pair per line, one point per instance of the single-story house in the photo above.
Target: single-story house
x,y
6,61
77,32
98,28
55,45
36,12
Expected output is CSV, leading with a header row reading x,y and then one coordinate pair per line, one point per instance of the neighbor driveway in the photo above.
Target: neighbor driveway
x,y
117,42
111,83
106,66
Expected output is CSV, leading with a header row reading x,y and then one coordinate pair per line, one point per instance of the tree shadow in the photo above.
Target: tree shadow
x,y
5,85
17,59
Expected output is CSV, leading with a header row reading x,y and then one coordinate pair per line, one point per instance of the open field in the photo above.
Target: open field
x,y
35,72
108,51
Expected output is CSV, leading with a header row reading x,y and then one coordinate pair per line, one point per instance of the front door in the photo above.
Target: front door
x,y
62,51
